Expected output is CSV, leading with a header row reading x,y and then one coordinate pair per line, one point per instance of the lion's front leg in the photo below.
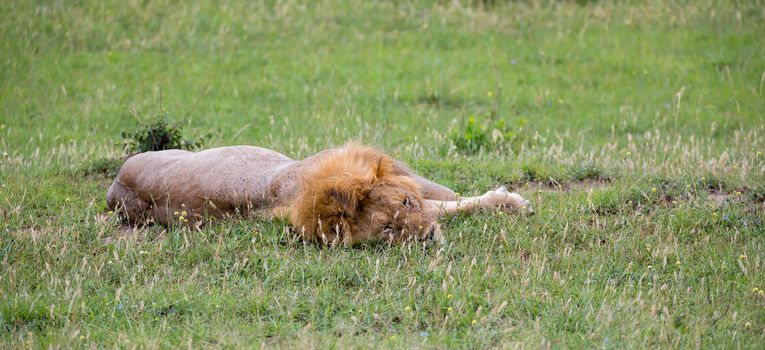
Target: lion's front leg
x,y
496,199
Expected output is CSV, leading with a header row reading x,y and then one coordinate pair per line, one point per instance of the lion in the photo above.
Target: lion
x,y
346,195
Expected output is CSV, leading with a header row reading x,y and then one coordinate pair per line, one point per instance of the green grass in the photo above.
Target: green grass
x,y
637,133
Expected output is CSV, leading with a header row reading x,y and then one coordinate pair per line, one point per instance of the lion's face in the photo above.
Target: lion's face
x,y
357,195
393,213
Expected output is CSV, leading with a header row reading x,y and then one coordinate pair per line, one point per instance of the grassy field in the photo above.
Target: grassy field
x,y
635,129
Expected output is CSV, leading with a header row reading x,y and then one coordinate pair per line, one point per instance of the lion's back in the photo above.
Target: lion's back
x,y
230,174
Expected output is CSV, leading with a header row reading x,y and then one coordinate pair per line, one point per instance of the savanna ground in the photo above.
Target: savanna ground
x,y
635,129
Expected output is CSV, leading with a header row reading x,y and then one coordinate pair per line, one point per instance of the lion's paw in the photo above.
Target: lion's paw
x,y
502,199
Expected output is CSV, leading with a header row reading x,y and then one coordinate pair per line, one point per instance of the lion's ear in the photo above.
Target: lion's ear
x,y
384,167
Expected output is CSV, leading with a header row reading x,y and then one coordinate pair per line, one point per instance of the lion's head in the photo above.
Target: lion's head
x,y
358,194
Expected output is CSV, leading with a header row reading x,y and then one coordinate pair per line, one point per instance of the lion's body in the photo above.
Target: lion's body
x,y
215,182
335,194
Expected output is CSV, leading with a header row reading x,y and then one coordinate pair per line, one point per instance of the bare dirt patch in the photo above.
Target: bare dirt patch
x,y
554,185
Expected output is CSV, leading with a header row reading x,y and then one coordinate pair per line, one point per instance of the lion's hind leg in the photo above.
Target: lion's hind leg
x,y
430,189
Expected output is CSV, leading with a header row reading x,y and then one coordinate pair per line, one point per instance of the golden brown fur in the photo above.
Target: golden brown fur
x,y
353,194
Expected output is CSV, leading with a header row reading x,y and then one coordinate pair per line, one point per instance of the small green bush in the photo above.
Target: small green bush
x,y
152,135
158,135
489,135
